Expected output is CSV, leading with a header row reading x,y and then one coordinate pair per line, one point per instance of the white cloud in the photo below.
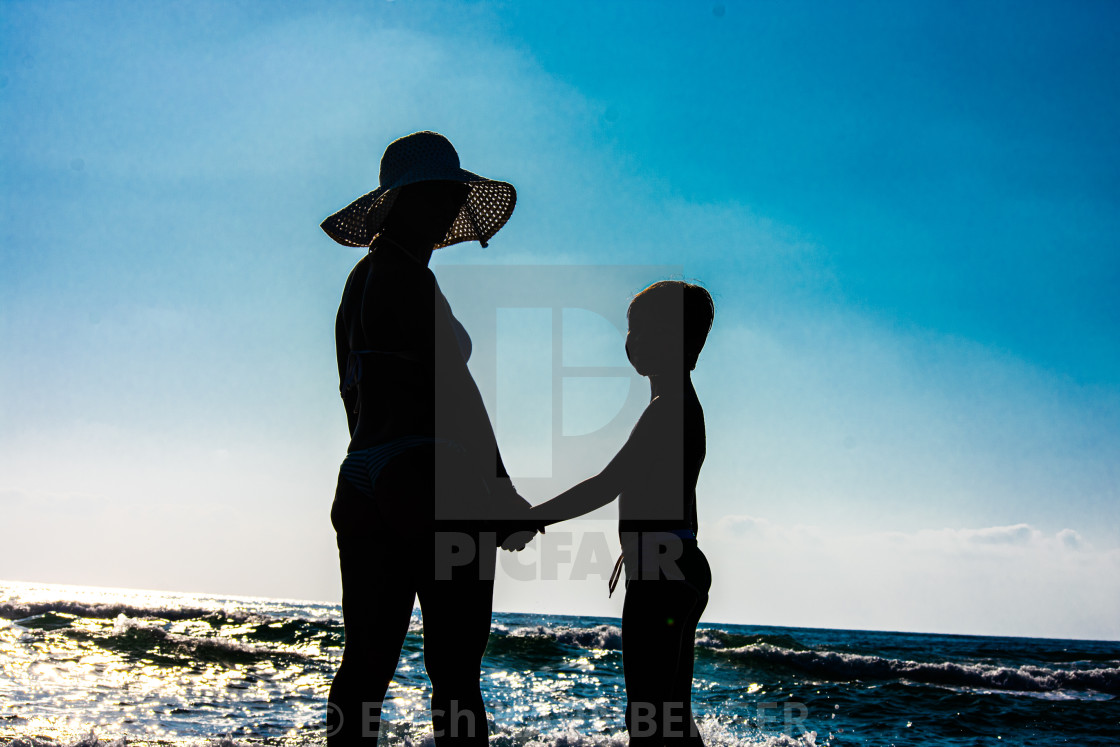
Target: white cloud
x,y
1018,534
1003,580
832,418
1071,539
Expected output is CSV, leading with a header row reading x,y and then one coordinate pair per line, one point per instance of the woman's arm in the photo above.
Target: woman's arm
x,y
461,411
465,411
342,352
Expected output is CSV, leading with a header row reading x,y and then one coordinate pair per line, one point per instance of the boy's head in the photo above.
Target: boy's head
x,y
669,323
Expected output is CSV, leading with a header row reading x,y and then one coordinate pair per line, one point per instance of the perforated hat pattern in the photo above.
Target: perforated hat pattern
x,y
420,157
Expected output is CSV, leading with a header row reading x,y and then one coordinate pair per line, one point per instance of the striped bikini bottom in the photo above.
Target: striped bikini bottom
x,y
362,467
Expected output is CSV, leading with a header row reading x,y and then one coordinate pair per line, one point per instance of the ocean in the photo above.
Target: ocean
x,y
85,666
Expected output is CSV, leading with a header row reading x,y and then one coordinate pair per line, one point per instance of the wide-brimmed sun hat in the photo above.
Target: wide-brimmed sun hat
x,y
424,157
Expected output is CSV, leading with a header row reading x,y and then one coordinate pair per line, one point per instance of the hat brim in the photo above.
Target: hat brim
x,y
488,206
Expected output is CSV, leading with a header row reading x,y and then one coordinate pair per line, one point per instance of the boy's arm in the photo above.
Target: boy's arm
x,y
596,492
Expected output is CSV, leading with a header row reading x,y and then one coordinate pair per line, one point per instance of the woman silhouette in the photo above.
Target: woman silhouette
x,y
422,474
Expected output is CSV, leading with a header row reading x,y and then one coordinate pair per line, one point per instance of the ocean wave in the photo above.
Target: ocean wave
x,y
845,666
712,732
296,631
142,634
715,638
609,637
89,740
93,740
107,611
147,639
604,637
286,632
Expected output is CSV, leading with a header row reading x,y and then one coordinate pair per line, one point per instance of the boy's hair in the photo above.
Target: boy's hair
x,y
676,296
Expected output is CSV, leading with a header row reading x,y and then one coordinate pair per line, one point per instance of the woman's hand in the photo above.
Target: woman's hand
x,y
518,540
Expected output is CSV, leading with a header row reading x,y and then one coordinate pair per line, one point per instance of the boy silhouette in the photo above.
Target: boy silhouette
x,y
654,476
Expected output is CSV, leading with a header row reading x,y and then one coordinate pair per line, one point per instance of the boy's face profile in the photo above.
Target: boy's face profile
x,y
655,340
634,343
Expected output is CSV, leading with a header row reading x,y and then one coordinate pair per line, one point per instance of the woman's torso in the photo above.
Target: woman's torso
x,y
388,321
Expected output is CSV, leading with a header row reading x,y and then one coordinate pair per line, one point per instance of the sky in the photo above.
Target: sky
x,y
907,214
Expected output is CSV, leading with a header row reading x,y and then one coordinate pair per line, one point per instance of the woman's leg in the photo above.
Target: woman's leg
x,y
377,600
457,613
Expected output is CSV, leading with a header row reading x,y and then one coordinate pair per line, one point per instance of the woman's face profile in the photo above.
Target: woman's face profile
x,y
426,210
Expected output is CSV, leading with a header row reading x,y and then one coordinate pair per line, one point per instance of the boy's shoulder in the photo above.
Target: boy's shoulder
x,y
662,410
670,412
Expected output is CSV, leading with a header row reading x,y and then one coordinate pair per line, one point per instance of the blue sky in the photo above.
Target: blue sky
x,y
907,214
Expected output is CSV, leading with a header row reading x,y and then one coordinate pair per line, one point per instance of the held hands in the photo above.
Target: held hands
x,y
522,537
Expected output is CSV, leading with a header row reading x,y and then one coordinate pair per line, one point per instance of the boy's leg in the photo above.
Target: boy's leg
x,y
680,696
699,580
656,617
